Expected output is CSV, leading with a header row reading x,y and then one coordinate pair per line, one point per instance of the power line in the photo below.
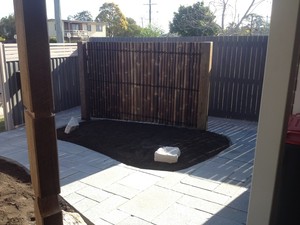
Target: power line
x,y
150,10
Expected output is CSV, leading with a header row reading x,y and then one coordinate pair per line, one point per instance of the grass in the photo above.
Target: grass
x,y
2,125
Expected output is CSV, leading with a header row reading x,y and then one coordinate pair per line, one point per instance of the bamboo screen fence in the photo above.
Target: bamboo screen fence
x,y
165,83
237,73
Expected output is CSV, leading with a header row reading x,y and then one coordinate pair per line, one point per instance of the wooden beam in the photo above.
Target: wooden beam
x,y
203,97
34,55
84,95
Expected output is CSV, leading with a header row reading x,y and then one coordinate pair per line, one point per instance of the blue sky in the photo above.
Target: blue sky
x,y
162,10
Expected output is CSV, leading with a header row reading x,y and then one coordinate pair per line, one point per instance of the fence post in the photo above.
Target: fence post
x,y
83,81
4,87
203,97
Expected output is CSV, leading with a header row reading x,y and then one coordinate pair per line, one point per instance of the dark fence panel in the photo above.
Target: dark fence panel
x,y
237,72
150,82
237,77
65,83
15,102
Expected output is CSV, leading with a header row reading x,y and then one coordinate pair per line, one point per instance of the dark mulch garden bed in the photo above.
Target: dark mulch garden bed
x,y
135,143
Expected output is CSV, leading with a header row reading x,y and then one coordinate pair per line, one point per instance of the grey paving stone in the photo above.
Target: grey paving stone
x,y
131,220
242,173
72,178
231,214
201,193
139,180
178,214
149,204
107,177
94,193
63,173
103,163
121,190
214,171
71,188
85,204
218,220
73,198
229,189
103,209
171,180
115,216
200,182
200,204
240,201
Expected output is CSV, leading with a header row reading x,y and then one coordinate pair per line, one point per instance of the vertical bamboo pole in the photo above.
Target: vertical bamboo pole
x,y
84,96
34,54
205,70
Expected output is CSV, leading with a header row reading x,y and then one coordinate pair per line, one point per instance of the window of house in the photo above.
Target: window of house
x,y
98,27
74,26
89,27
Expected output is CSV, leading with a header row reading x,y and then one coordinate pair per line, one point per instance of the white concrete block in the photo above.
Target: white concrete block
x,y
167,154
72,125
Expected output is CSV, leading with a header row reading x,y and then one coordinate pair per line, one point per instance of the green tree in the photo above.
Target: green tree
x,y
133,30
7,27
253,25
195,20
82,16
111,15
256,25
151,31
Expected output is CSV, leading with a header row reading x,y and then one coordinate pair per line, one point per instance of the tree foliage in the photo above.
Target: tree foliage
x,y
82,16
253,24
133,30
195,20
151,31
7,27
115,21
228,10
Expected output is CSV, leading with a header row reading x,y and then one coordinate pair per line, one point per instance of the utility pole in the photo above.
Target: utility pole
x,y
150,10
58,26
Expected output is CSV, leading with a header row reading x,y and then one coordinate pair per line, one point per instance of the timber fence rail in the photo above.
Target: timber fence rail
x,y
165,83
237,72
65,80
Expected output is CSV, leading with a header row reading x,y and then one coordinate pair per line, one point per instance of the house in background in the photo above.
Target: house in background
x,y
77,30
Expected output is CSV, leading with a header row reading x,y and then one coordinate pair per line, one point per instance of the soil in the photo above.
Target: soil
x,y
17,197
134,143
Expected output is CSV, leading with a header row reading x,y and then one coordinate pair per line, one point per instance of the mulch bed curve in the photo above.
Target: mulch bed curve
x,y
134,143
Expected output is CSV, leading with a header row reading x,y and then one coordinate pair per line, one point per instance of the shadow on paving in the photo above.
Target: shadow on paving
x,y
135,143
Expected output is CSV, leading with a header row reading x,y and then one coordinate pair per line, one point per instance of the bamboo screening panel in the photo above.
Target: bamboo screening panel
x,y
237,73
164,83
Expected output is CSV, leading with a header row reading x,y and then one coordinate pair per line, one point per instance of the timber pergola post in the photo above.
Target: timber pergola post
x,y
203,95
34,56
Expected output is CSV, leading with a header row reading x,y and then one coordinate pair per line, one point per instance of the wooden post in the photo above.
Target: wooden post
x,y
205,71
83,82
34,55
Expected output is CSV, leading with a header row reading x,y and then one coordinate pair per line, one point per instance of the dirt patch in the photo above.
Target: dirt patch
x,y
135,143
17,197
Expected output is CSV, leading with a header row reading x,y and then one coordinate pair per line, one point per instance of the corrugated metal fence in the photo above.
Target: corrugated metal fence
x,y
165,83
65,80
237,72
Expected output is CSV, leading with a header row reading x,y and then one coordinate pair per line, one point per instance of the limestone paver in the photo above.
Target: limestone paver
x,y
150,203
179,214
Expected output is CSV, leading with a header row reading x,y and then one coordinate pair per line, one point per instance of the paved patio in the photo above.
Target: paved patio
x,y
214,192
